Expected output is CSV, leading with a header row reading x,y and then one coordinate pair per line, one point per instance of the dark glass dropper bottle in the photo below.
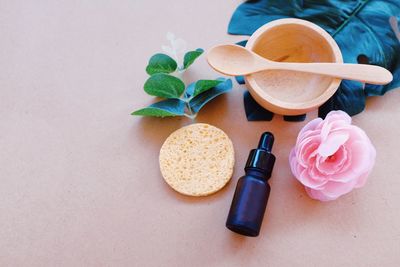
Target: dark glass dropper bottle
x,y
252,190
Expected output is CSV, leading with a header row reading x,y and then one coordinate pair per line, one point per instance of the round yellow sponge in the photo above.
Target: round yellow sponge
x,y
197,160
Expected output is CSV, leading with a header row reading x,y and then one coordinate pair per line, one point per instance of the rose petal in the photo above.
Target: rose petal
x,y
362,180
332,143
306,152
310,126
316,174
336,119
338,115
361,157
346,174
326,127
306,179
318,195
357,134
333,190
332,164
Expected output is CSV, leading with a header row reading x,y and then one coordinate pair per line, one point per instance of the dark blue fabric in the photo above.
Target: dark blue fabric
x,y
255,112
301,117
240,79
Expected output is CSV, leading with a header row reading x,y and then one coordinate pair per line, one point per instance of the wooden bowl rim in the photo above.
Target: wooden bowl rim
x,y
290,108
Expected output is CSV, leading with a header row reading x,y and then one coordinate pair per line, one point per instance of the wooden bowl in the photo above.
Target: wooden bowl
x,y
292,40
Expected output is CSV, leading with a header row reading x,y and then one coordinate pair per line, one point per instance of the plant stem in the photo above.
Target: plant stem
x,y
191,115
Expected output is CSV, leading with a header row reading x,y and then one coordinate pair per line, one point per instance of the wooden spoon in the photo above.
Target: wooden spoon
x,y
236,60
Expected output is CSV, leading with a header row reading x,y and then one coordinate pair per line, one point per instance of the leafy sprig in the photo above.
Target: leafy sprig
x,y
179,99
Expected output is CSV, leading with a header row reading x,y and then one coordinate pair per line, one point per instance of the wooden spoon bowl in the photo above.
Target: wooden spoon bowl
x,y
292,40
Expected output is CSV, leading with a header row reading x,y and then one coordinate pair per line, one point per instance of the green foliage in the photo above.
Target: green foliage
x,y
191,56
164,108
164,85
204,85
161,63
197,102
179,101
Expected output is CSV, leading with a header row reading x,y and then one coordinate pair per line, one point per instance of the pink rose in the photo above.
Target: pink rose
x,y
331,156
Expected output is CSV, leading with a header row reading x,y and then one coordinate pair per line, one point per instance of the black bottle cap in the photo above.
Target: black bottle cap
x,y
266,141
261,158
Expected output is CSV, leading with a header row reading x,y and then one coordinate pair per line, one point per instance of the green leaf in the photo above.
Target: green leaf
x,y
165,108
204,85
201,86
161,63
190,90
200,100
191,56
360,27
164,85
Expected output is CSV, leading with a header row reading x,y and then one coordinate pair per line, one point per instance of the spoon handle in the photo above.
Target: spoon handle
x,y
359,72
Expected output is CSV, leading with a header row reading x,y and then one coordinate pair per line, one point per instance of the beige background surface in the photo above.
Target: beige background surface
x,y
79,177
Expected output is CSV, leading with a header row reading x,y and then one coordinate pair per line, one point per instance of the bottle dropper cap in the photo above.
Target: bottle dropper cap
x,y
261,157
266,141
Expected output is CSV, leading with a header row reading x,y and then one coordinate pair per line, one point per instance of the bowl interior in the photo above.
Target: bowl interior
x,y
292,43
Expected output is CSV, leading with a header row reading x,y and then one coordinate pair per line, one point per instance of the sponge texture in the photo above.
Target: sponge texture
x,y
197,160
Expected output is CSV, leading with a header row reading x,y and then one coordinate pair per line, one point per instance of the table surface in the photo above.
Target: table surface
x,y
80,183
